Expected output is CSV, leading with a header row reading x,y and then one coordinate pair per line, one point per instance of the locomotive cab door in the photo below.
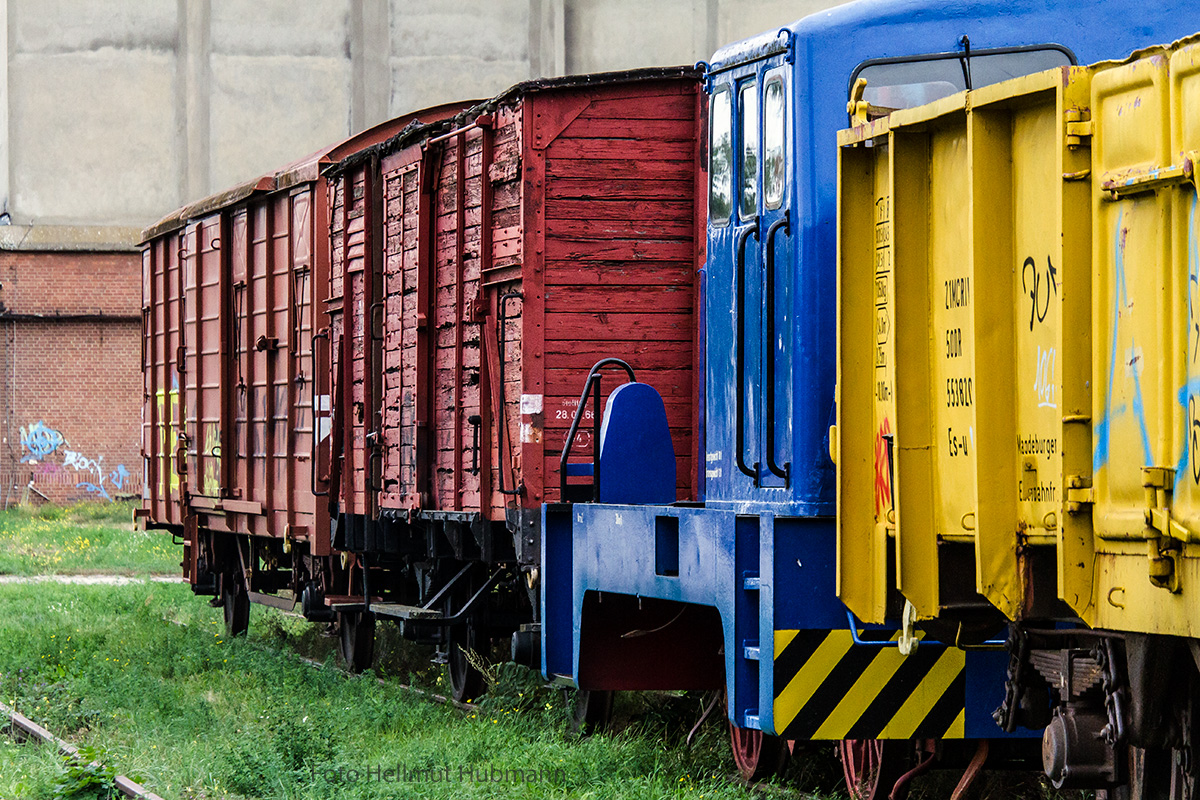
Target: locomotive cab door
x,y
751,225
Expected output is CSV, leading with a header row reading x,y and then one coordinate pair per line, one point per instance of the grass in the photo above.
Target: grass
x,y
144,675
87,538
197,716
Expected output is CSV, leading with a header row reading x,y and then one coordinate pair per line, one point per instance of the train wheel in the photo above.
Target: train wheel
x,y
236,601
872,766
591,710
466,682
758,755
1158,774
356,639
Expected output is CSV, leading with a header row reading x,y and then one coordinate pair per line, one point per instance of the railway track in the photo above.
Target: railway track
x,y
22,728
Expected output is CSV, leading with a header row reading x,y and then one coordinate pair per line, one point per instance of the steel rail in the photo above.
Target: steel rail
x,y
27,727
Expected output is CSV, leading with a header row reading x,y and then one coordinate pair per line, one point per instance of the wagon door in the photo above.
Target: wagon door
x,y
356,321
750,235
206,295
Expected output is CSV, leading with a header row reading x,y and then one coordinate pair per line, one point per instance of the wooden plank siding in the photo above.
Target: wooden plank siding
x,y
570,210
620,259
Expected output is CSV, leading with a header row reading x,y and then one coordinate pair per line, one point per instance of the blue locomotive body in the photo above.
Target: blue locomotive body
x,y
738,591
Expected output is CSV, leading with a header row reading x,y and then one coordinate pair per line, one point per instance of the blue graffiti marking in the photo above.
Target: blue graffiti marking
x,y
1189,391
1104,426
92,488
40,440
118,477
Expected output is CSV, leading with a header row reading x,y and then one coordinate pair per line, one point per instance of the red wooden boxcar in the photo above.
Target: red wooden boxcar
x,y
233,292
478,274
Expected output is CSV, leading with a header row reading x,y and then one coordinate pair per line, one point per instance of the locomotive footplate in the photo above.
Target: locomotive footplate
x,y
752,599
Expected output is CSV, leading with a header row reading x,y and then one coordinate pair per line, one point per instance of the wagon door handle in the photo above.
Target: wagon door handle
x,y
740,294
784,224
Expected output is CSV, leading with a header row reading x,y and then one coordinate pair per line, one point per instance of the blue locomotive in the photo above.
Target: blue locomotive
x,y
739,591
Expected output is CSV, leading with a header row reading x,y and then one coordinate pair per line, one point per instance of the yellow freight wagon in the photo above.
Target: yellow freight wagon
x,y
1019,394
1019,334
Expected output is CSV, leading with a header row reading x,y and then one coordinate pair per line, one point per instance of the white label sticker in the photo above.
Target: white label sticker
x,y
712,473
531,404
530,434
713,456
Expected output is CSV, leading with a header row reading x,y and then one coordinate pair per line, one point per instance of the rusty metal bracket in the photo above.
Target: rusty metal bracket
x,y
1120,185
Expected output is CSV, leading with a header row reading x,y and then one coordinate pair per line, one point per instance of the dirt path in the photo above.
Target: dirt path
x,y
89,580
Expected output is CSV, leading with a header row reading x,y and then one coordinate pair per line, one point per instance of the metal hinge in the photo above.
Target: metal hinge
x,y
1079,493
1165,536
1079,127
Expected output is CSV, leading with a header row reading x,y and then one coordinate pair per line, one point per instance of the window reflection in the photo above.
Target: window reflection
x,y
774,157
720,158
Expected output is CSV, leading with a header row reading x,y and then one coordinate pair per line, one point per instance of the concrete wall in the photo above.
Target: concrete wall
x,y
119,111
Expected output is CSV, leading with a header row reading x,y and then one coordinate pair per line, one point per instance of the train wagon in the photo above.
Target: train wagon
x,y
1022,446
233,294
479,271
741,593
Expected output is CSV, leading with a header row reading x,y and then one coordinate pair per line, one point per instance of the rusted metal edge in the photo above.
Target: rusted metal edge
x,y
415,131
28,727
178,218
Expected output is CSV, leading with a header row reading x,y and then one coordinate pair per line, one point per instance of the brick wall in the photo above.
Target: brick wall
x,y
70,376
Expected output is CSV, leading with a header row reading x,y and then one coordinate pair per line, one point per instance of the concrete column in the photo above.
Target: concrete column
x,y
710,10
547,40
370,40
195,48
4,116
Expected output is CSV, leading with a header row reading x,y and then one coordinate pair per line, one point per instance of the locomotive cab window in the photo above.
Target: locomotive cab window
x,y
774,136
895,83
748,108
720,157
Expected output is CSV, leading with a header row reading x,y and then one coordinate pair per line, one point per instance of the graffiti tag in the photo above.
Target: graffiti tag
x,y
39,440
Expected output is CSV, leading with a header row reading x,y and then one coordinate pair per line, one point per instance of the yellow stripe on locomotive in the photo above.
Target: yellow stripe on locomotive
x,y
829,687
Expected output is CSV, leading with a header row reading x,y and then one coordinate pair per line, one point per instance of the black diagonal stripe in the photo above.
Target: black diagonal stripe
x,y
797,653
895,692
945,710
876,634
830,692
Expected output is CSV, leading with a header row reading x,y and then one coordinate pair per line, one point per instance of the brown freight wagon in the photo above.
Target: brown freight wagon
x,y
480,272
234,290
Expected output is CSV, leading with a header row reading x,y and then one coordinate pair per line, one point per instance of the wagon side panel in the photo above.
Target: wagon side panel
x,y
620,248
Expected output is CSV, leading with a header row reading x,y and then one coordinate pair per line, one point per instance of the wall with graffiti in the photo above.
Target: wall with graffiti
x,y
51,453
70,379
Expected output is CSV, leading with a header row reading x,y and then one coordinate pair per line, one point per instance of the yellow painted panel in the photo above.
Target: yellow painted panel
x,y
915,458
864,258
951,393
1132,288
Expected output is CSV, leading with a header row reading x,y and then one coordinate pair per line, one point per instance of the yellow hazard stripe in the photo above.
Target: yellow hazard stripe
x,y
800,689
958,728
864,690
904,723
830,688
